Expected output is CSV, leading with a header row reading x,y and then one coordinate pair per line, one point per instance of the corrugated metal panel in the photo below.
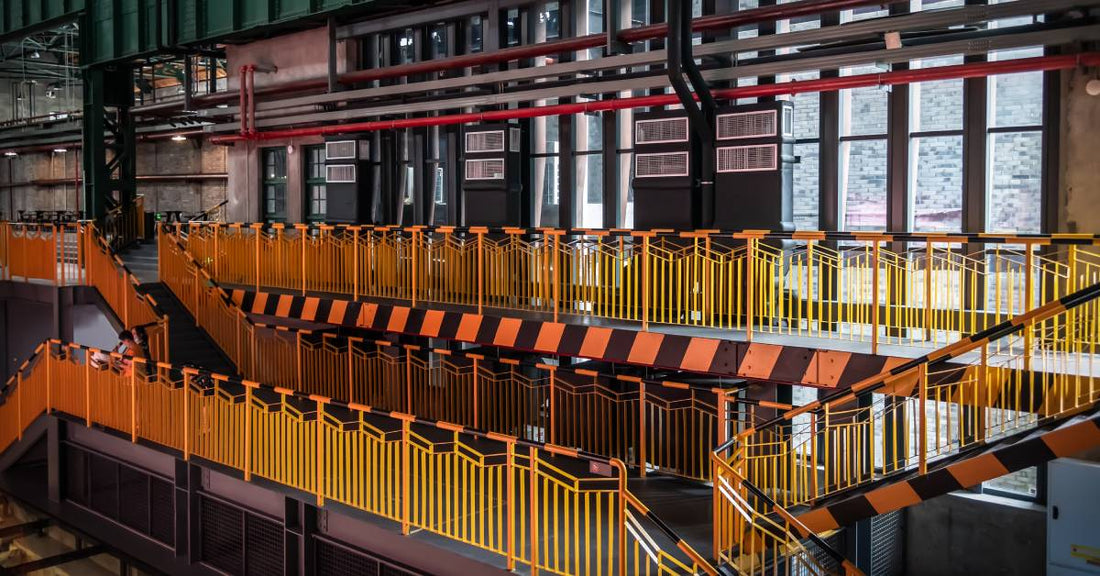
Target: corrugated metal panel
x,y
19,15
123,29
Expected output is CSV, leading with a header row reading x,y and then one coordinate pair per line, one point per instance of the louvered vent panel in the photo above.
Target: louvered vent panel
x,y
747,158
221,536
342,150
661,165
162,525
514,134
339,174
485,169
263,548
489,141
746,125
661,130
887,544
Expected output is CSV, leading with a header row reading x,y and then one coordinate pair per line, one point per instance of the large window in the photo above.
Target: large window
x,y
936,151
1015,148
863,127
316,193
273,184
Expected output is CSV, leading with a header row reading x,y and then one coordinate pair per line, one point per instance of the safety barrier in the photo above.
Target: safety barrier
x,y
125,224
549,508
649,424
878,288
76,253
1020,374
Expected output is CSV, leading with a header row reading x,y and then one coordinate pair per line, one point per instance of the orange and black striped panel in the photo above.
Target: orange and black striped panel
x,y
714,356
1068,438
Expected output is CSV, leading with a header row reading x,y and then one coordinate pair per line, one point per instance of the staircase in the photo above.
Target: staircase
x,y
141,259
188,344
1016,395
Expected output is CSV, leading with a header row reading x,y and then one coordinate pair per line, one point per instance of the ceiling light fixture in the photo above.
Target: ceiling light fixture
x,y
179,138
60,150
10,154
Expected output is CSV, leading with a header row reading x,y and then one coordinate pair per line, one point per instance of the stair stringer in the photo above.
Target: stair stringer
x,y
1071,436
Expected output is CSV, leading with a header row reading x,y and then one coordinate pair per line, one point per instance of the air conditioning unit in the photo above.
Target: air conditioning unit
x,y
663,183
754,167
348,171
492,176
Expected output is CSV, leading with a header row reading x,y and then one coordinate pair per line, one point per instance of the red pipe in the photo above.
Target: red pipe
x,y
973,70
653,32
251,99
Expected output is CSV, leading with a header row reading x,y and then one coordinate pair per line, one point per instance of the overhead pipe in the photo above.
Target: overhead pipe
x,y
639,34
77,144
681,62
899,77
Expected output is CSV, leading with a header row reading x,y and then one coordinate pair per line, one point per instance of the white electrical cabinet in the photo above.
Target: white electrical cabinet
x,y
1073,518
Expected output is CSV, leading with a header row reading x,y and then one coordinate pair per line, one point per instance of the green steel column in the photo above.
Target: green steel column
x,y
109,153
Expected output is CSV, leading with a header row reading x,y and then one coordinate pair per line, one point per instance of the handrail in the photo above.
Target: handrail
x,y
54,379
876,288
1061,239
283,356
1057,337
205,214
969,344
76,253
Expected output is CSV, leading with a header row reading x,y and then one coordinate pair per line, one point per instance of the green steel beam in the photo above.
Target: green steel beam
x,y
19,18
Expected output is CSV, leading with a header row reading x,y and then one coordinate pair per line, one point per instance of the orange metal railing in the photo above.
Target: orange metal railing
x,y
1025,372
878,288
76,253
663,425
549,508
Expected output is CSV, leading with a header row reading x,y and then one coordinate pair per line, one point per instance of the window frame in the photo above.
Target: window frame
x,y
309,183
279,182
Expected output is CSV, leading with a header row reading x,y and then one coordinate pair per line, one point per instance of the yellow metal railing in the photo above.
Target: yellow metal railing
x,y
76,253
549,508
662,425
1029,370
878,288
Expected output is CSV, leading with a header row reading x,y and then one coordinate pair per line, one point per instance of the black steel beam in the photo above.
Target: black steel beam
x,y
51,561
25,529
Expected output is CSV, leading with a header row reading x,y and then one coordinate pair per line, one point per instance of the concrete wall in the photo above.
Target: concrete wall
x,y
966,534
299,56
161,157
1079,201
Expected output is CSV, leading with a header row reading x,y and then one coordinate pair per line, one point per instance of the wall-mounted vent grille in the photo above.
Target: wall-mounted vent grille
x,y
661,130
515,134
485,169
340,174
121,493
661,165
746,125
221,536
747,158
237,541
342,150
489,141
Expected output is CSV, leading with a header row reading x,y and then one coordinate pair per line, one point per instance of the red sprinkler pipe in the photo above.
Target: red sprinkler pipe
x,y
972,70
654,32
